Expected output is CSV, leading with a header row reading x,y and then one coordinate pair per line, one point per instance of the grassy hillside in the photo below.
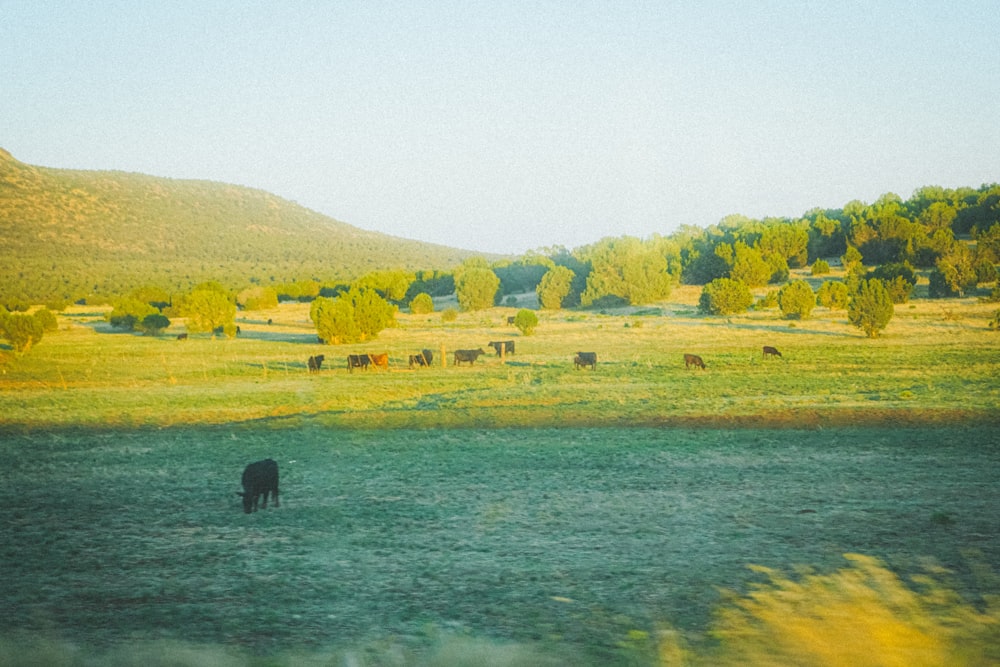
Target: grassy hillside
x,y
76,233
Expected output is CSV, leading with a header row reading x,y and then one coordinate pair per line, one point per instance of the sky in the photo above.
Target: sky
x,y
504,127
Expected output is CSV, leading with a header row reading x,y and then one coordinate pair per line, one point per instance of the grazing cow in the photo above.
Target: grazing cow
x,y
693,360
380,360
238,330
316,362
423,359
358,361
259,479
771,352
506,345
510,320
182,336
584,359
468,356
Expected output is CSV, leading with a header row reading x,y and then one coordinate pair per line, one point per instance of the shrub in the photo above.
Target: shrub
x,y
258,298
475,286
20,330
899,279
422,304
820,267
554,287
526,321
724,296
449,315
208,309
832,294
796,300
153,324
129,312
871,307
769,300
47,319
359,314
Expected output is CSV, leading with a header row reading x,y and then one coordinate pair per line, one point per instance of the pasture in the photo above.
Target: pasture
x,y
519,501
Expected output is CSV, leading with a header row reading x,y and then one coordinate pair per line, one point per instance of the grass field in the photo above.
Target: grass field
x,y
519,506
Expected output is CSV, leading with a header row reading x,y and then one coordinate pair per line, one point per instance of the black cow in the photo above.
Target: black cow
x,y
423,359
584,359
506,345
358,361
510,320
259,479
316,362
182,336
693,360
468,356
771,352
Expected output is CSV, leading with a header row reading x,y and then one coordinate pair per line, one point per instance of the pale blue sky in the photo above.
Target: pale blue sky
x,y
509,126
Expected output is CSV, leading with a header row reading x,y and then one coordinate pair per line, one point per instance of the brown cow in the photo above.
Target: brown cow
x,y
693,360
468,356
380,360
771,352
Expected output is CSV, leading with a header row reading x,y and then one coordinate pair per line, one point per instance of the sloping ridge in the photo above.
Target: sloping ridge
x,y
99,231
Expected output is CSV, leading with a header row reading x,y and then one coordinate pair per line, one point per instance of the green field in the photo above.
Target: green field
x,y
525,505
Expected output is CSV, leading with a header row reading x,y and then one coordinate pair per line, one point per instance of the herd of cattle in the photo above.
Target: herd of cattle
x,y
425,357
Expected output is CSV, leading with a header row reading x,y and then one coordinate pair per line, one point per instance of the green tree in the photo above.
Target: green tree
x,y
851,258
725,296
390,284
129,312
47,319
209,309
371,312
629,269
422,304
475,285
554,287
899,279
352,317
820,267
870,308
154,323
796,300
787,240
526,321
832,294
749,266
21,330
954,273
258,297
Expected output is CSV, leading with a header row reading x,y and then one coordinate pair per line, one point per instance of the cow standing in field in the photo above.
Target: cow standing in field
x,y
467,356
315,362
771,352
584,359
693,360
358,361
182,336
259,479
380,360
503,347
423,359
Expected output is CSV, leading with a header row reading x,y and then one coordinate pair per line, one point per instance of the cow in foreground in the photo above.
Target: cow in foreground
x,y
771,352
467,356
693,360
358,361
423,359
315,362
259,479
502,347
584,359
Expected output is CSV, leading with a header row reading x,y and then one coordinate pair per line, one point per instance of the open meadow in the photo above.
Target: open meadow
x,y
540,513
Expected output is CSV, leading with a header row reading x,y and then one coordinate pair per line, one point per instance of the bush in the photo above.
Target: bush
x,y
129,312
358,315
871,307
724,296
47,319
526,321
449,315
20,330
899,279
208,309
820,267
555,287
769,300
832,294
422,304
154,324
475,286
258,298
796,300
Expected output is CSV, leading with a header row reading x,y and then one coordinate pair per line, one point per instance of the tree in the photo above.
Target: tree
x,y
725,296
899,279
209,309
154,323
820,267
796,300
391,285
953,274
749,266
258,297
47,319
554,287
630,269
526,321
371,312
475,285
22,331
422,304
334,320
832,294
129,312
870,309
787,240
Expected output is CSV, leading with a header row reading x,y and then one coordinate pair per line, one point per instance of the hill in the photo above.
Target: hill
x,y
79,233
